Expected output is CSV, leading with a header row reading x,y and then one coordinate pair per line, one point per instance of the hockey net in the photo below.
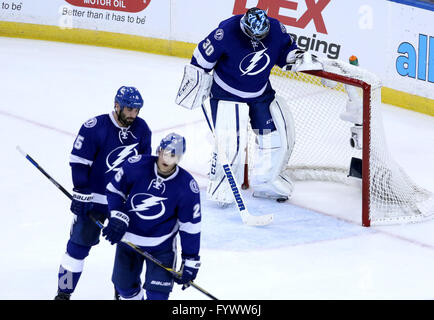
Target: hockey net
x,y
323,151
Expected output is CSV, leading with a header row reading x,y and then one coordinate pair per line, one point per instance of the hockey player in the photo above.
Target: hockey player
x,y
151,200
241,53
101,147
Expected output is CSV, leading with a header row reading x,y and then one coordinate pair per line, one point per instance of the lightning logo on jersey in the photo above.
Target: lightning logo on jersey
x,y
118,156
153,205
254,63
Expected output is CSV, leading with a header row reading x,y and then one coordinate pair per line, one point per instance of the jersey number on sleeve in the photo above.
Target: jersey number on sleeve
x,y
196,211
207,46
78,142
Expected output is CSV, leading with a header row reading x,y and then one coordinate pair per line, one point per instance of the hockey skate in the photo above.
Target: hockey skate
x,y
280,189
62,296
220,193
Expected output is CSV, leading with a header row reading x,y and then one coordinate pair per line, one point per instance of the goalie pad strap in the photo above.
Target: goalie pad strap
x,y
195,87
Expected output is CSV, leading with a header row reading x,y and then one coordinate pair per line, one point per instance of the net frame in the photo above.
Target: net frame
x,y
385,187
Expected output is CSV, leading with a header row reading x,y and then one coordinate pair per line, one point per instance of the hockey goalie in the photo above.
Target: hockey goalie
x,y
228,77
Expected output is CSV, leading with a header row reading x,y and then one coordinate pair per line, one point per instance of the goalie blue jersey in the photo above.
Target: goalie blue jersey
x,y
242,66
158,207
100,149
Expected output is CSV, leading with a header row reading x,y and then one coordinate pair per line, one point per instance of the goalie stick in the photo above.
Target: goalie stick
x,y
246,217
100,225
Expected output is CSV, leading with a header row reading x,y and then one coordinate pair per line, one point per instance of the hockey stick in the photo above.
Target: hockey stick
x,y
170,270
32,161
101,226
246,217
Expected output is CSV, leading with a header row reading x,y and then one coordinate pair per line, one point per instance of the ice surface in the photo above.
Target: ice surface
x,y
315,249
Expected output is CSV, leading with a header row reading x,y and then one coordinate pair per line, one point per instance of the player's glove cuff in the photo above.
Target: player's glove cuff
x,y
81,202
193,263
120,215
82,196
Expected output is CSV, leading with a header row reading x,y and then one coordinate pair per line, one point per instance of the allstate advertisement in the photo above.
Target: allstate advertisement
x,y
410,64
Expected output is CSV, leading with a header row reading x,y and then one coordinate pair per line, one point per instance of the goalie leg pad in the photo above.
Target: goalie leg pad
x,y
275,148
195,87
231,138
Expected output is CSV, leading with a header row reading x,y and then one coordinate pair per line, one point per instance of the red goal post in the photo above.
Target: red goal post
x,y
322,149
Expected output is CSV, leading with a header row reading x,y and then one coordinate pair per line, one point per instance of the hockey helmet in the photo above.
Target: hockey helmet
x,y
173,143
255,23
129,97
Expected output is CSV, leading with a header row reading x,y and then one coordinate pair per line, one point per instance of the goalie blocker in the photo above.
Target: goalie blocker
x,y
195,87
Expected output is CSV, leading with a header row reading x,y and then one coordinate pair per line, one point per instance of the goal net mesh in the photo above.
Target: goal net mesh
x,y
323,151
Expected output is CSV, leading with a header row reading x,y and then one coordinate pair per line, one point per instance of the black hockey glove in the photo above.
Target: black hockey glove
x,y
189,268
81,202
116,227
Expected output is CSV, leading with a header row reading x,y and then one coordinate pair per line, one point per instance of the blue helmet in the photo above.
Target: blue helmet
x,y
255,23
129,97
174,143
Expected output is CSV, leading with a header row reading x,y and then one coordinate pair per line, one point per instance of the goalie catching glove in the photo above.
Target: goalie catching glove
x,y
300,60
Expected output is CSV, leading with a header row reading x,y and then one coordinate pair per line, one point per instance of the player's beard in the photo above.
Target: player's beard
x,y
124,120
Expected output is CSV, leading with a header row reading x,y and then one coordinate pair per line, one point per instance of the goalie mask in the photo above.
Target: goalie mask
x,y
172,146
255,23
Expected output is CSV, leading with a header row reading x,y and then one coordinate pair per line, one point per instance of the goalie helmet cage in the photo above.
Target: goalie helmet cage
x,y
322,148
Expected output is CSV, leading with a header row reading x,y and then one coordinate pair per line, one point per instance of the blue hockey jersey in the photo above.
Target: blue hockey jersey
x,y
157,207
100,149
242,66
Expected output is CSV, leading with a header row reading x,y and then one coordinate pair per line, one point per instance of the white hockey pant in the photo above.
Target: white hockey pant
x,y
230,137
274,150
